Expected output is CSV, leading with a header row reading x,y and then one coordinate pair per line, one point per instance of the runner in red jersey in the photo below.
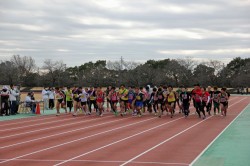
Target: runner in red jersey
x,y
205,99
197,95
100,100
113,98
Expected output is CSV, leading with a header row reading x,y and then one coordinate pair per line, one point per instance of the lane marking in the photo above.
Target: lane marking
x,y
28,141
23,127
169,139
131,136
40,119
102,161
33,131
80,139
218,136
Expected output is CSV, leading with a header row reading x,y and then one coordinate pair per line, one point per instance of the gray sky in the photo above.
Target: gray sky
x,y
78,31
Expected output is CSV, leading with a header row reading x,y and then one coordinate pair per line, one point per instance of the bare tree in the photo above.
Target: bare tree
x,y
217,65
188,62
113,65
121,65
55,69
25,65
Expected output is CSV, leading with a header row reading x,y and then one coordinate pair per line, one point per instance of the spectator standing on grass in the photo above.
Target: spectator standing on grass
x,y
13,100
247,90
45,95
51,98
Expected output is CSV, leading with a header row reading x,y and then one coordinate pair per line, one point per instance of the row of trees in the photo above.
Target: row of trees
x,y
23,70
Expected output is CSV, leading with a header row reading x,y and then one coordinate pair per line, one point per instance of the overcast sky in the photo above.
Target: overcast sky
x,y
78,31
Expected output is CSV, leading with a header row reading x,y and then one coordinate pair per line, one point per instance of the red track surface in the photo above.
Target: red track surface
x,y
109,140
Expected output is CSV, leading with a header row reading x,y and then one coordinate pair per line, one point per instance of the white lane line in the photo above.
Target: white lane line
x,y
27,118
76,140
102,161
169,139
217,137
34,120
33,131
28,141
39,124
131,136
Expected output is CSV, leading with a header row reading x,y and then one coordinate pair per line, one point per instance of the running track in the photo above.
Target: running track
x,y
109,140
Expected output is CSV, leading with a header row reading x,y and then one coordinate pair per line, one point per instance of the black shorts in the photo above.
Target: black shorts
x,y
224,103
83,103
60,101
155,102
145,103
172,104
160,101
77,99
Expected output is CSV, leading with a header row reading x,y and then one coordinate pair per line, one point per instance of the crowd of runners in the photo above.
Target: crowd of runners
x,y
138,100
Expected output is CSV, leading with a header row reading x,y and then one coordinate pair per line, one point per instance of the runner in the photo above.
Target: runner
x,y
223,102
197,95
148,101
193,97
92,99
155,100
123,96
138,101
185,98
160,101
145,102
178,92
107,94
131,97
113,98
171,99
69,98
216,100
209,105
83,99
100,100
63,105
228,94
76,97
59,100
205,99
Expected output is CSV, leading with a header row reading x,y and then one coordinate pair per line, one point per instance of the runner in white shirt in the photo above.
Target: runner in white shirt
x,y
84,98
